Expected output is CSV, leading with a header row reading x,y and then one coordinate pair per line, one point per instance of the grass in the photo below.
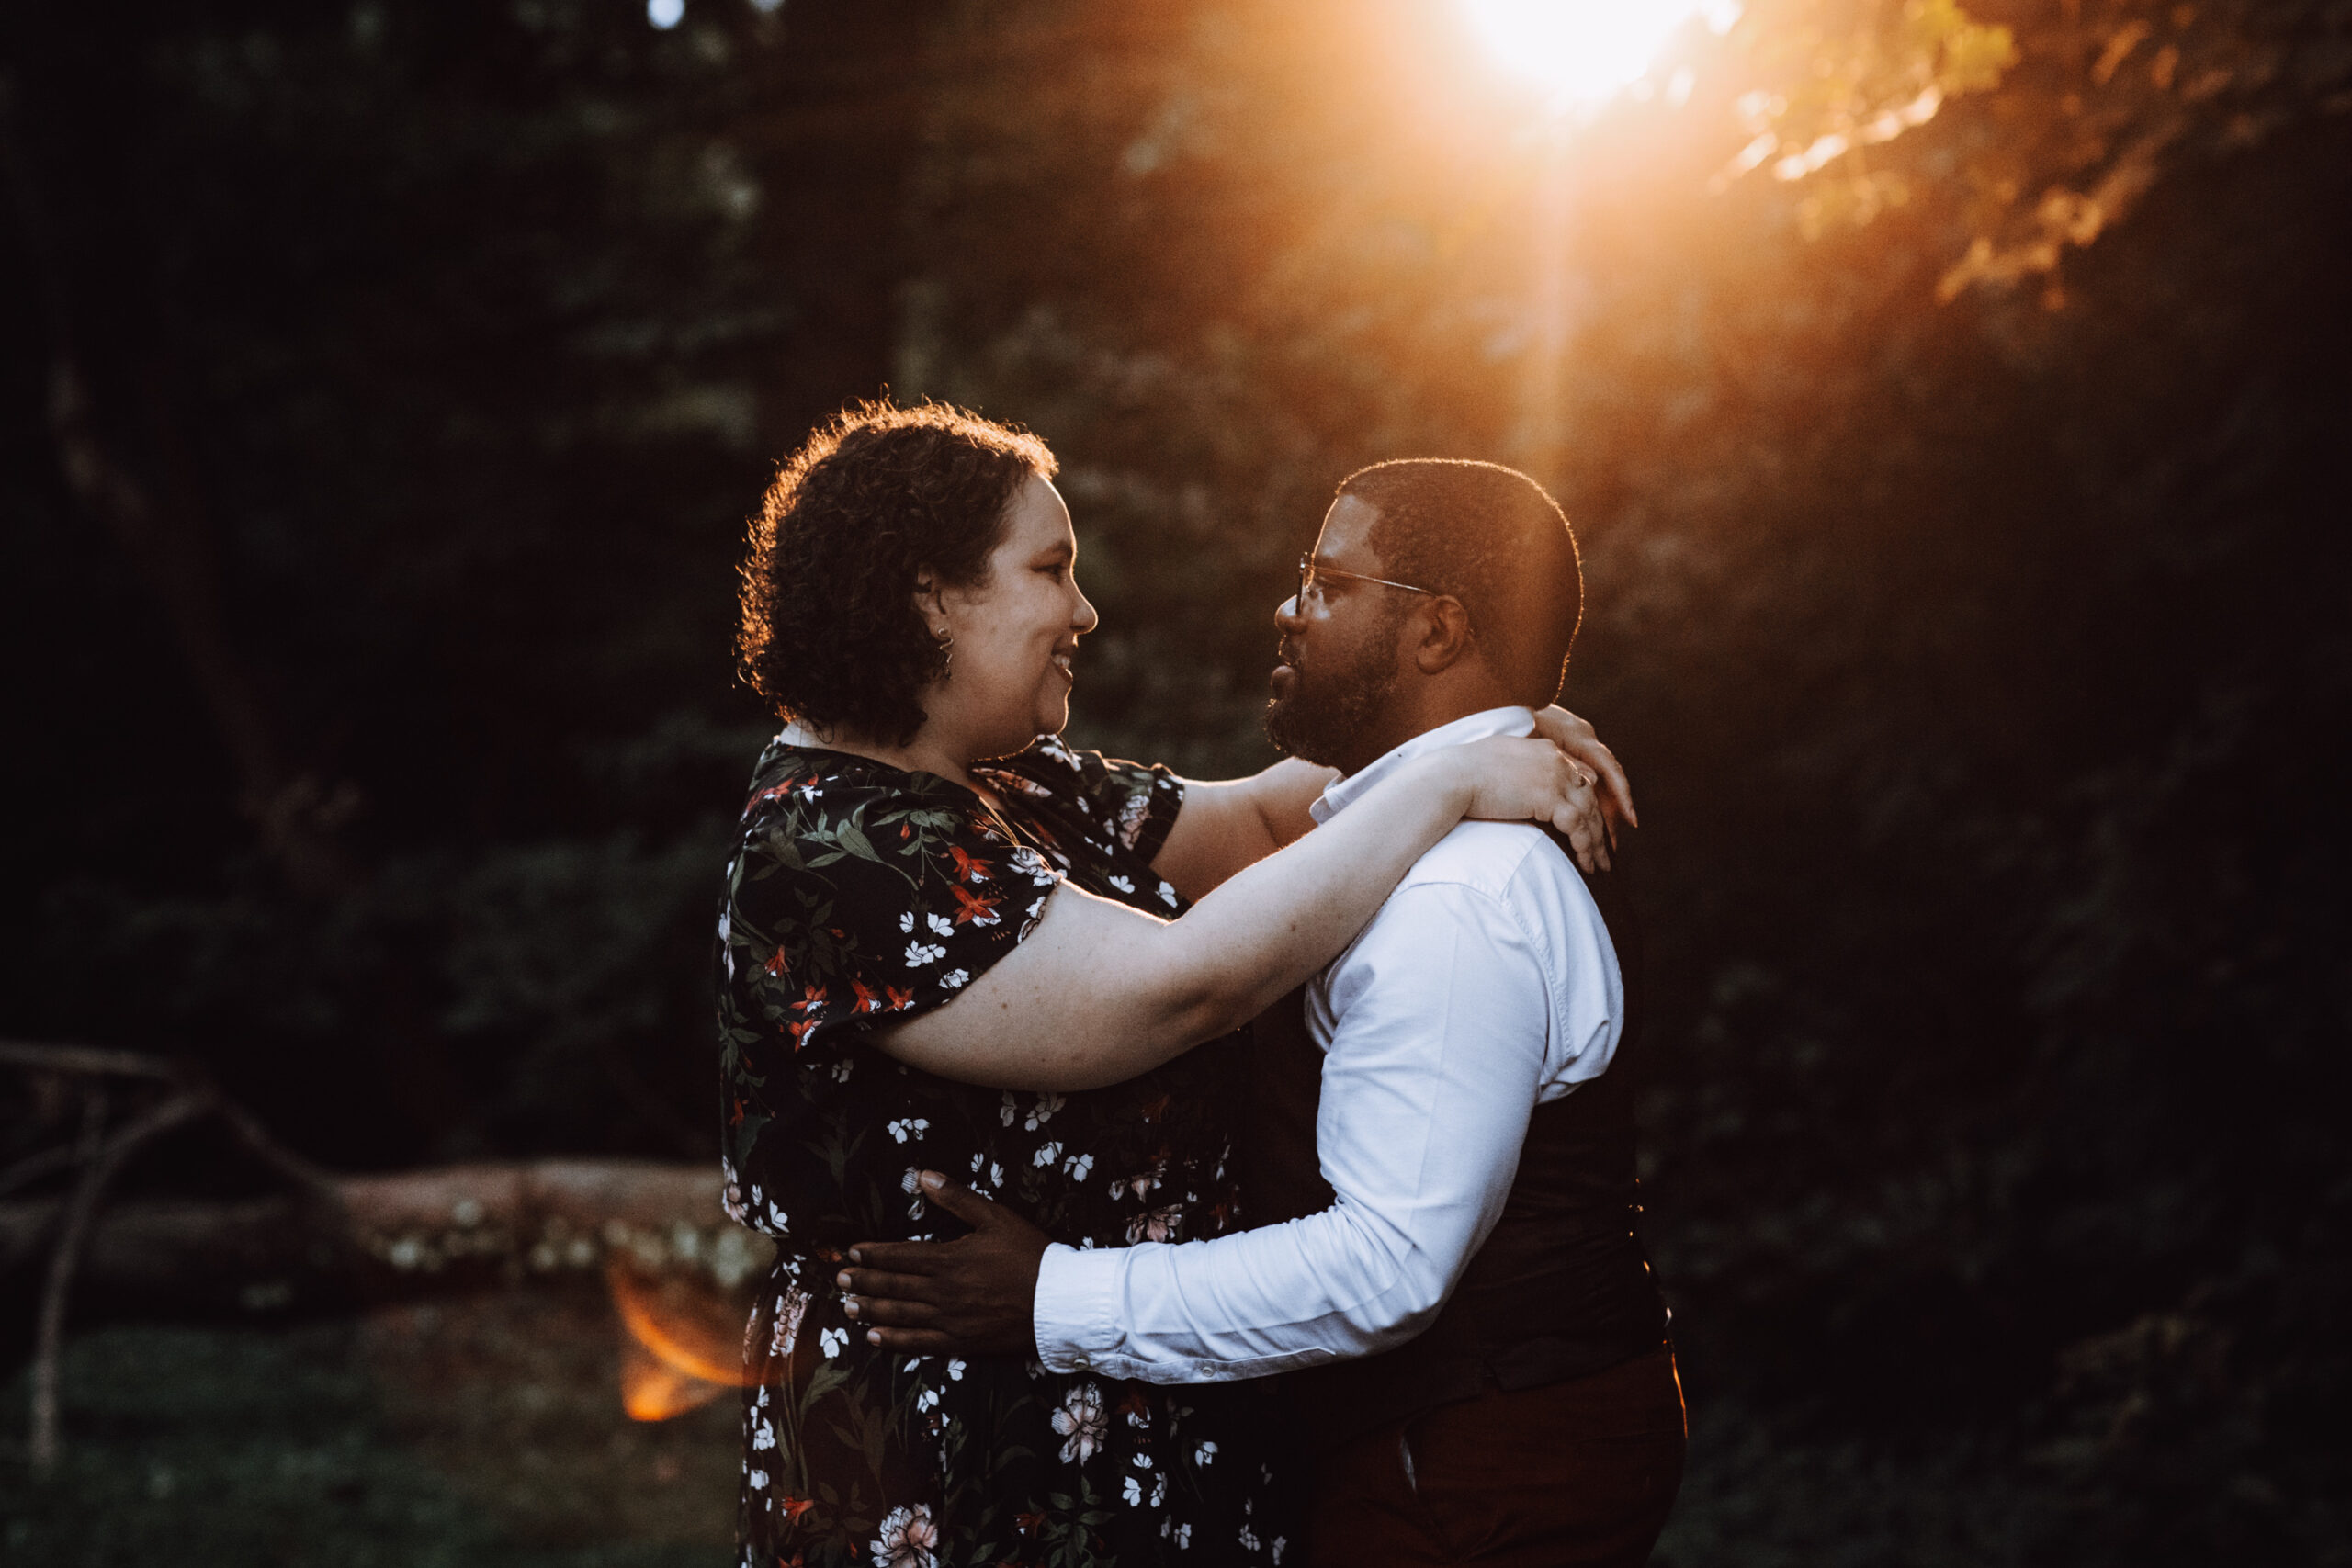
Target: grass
x,y
453,1436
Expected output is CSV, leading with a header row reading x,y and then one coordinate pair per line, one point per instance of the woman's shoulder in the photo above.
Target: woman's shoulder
x,y
838,819
1127,806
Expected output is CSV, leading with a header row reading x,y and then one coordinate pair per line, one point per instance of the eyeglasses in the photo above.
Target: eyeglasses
x,y
1309,569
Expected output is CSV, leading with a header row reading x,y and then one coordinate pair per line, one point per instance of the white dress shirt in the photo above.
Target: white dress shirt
x,y
1485,986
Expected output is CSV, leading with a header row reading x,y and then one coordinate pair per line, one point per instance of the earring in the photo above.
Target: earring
x,y
946,652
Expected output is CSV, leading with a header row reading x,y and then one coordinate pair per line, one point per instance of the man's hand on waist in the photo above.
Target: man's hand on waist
x,y
971,1296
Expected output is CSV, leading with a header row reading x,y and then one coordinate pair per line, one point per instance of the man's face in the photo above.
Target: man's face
x,y
1338,676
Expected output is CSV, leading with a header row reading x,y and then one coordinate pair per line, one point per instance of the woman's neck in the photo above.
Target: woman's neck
x,y
927,753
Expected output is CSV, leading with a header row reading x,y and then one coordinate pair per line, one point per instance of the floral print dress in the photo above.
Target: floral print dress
x,y
860,894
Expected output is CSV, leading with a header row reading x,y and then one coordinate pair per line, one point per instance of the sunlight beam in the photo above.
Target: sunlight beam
x,y
1580,51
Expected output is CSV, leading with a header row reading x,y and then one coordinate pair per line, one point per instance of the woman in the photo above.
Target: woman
x,y
910,605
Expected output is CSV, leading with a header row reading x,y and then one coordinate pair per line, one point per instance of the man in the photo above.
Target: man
x,y
1479,1346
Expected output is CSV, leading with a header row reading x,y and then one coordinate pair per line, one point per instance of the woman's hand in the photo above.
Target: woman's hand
x,y
1578,740
1514,780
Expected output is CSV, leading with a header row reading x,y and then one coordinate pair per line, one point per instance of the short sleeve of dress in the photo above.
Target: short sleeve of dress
x,y
1136,802
853,902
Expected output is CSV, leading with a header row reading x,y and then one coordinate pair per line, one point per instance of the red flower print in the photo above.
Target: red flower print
x,y
737,1119
1153,1109
967,867
798,1030
866,1001
814,999
782,789
794,1507
1028,1523
777,966
1132,1404
900,998
972,906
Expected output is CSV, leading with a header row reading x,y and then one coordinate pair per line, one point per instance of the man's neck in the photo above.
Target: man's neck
x,y
1415,715
1504,719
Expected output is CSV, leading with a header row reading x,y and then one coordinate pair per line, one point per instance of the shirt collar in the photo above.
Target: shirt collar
x,y
1460,732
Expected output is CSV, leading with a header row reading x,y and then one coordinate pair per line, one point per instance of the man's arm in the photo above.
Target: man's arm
x,y
1441,1018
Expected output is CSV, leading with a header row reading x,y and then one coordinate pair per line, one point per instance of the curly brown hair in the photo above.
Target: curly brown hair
x,y
829,634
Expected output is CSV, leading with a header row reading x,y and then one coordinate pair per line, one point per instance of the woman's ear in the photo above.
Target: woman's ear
x,y
929,603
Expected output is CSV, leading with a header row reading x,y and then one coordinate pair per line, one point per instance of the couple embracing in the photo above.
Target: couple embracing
x,y
1051,1212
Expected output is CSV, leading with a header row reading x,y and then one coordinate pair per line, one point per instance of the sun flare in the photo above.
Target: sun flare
x,y
1581,51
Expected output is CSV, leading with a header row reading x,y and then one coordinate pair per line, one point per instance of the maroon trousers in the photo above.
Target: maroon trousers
x,y
1579,1472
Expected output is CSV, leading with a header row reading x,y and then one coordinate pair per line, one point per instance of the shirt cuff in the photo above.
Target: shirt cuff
x,y
1075,1314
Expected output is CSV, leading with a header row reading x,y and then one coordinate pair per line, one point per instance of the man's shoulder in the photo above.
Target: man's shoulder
x,y
1500,859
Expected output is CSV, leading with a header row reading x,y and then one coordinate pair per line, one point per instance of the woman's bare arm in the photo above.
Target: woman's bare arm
x,y
1100,992
1227,824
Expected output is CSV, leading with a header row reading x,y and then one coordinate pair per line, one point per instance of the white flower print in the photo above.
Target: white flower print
x,y
1008,1110
1248,1539
1029,861
1184,1537
1204,1454
842,1067
1043,1111
927,1400
1275,1550
787,1329
911,1181
1159,1490
996,1174
1141,1182
1132,1492
1078,1168
907,1540
911,1127
1168,895
956,1370
919,953
763,1435
953,979
1121,882
832,1342
1081,1423
759,1478
1047,1154
907,922
1160,1224
1131,818
940,924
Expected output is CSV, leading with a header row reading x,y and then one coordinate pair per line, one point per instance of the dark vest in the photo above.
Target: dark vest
x,y
1561,1289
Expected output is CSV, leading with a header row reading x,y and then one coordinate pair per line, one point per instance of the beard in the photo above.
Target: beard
x,y
1333,701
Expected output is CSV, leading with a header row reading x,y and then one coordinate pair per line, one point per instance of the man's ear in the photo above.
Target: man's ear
x,y
1445,635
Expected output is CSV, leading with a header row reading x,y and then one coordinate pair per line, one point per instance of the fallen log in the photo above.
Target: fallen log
x,y
370,1238
329,1241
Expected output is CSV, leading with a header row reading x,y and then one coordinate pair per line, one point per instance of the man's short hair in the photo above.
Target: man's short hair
x,y
1494,539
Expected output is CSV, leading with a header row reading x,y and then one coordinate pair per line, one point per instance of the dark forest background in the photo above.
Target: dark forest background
x,y
383,387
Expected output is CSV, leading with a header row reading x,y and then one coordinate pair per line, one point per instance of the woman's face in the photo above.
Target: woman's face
x,y
1016,632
